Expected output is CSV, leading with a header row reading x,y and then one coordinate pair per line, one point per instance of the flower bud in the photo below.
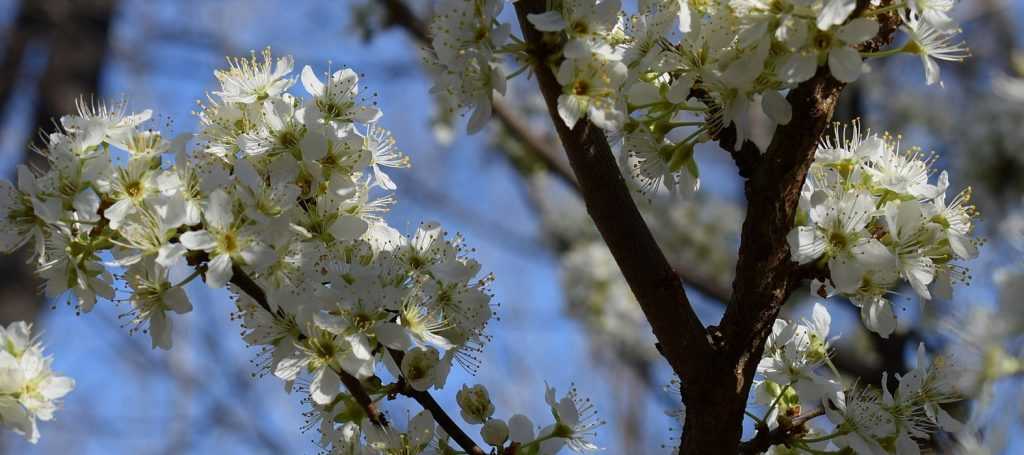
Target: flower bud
x,y
494,432
475,404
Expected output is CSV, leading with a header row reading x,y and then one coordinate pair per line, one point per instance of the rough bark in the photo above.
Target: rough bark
x,y
764,273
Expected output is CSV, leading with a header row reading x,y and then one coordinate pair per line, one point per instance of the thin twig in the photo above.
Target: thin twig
x,y
440,416
246,284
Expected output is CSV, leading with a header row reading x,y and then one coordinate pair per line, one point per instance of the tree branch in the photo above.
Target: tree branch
x,y
246,284
655,284
440,416
765,274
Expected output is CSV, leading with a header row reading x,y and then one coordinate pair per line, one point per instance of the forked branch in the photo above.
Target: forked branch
x,y
657,287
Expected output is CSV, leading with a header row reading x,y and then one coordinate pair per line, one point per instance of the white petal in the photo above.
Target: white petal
x,y
798,68
931,69
643,93
313,145
219,271
56,387
906,446
360,368
197,241
680,89
393,336
247,174
160,330
366,114
169,254
481,115
219,211
571,108
822,319
845,64
879,317
311,82
289,368
776,106
858,30
835,12
87,204
348,227
325,386
177,301
331,323
549,21
806,244
920,272
520,429
258,256
846,273
118,211
421,428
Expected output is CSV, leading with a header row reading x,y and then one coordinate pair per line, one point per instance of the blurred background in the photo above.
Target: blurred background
x,y
566,317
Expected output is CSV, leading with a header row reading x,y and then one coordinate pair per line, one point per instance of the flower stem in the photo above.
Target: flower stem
x,y
775,402
885,53
198,271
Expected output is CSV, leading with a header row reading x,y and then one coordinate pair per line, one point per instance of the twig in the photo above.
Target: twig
x,y
246,284
440,416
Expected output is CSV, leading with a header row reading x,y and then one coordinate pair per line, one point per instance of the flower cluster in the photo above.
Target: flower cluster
x,y
872,422
675,73
29,389
871,215
575,421
281,200
868,421
467,40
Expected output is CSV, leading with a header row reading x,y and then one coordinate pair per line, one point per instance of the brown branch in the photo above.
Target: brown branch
x,y
788,429
765,275
655,284
246,284
764,272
